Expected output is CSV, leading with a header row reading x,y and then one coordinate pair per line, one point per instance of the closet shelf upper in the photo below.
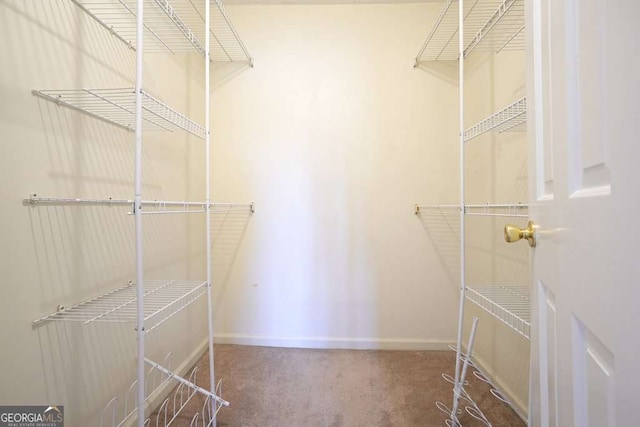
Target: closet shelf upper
x,y
509,304
175,27
162,299
512,119
490,25
117,106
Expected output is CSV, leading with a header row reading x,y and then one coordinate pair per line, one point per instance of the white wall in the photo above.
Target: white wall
x,y
335,137
64,255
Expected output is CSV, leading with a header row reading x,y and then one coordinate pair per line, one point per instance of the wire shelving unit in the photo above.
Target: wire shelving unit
x,y
509,304
461,28
148,207
489,25
162,299
508,210
118,106
175,26
440,209
512,118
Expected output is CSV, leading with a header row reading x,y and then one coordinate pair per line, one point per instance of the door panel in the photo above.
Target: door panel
x,y
583,87
546,336
586,72
544,163
552,356
545,190
594,379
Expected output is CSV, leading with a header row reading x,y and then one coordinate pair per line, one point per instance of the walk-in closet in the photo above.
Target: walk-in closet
x,y
318,213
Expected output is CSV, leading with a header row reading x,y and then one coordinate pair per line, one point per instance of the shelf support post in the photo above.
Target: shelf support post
x,y
456,396
137,206
207,143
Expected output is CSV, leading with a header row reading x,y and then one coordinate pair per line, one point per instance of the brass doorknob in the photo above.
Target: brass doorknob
x,y
513,233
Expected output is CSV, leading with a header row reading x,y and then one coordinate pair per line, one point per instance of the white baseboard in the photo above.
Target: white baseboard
x,y
333,342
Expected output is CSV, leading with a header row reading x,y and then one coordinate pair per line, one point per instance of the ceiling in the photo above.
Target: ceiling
x,y
309,2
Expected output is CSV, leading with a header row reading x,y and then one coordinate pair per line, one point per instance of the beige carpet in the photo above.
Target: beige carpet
x,y
301,387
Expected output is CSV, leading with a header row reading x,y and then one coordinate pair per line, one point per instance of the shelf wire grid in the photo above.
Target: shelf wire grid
x,y
512,210
150,207
176,27
441,209
493,25
512,118
117,106
162,300
509,304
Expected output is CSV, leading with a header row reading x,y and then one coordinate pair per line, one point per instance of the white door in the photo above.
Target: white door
x,y
584,173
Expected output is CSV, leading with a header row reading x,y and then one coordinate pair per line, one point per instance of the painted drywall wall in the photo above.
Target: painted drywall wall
x,y
53,255
335,137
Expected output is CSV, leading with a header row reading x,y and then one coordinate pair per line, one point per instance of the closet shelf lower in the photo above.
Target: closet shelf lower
x,y
175,26
489,25
118,107
512,118
162,299
509,304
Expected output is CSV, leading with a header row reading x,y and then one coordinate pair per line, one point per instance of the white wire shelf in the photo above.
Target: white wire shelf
x,y
509,304
151,206
117,106
232,207
176,27
490,25
510,119
512,210
162,300
441,209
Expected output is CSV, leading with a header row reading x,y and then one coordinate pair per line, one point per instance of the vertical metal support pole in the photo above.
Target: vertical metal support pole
x,y
207,143
456,396
137,206
467,358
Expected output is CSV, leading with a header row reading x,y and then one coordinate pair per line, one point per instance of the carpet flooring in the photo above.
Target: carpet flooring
x,y
290,387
